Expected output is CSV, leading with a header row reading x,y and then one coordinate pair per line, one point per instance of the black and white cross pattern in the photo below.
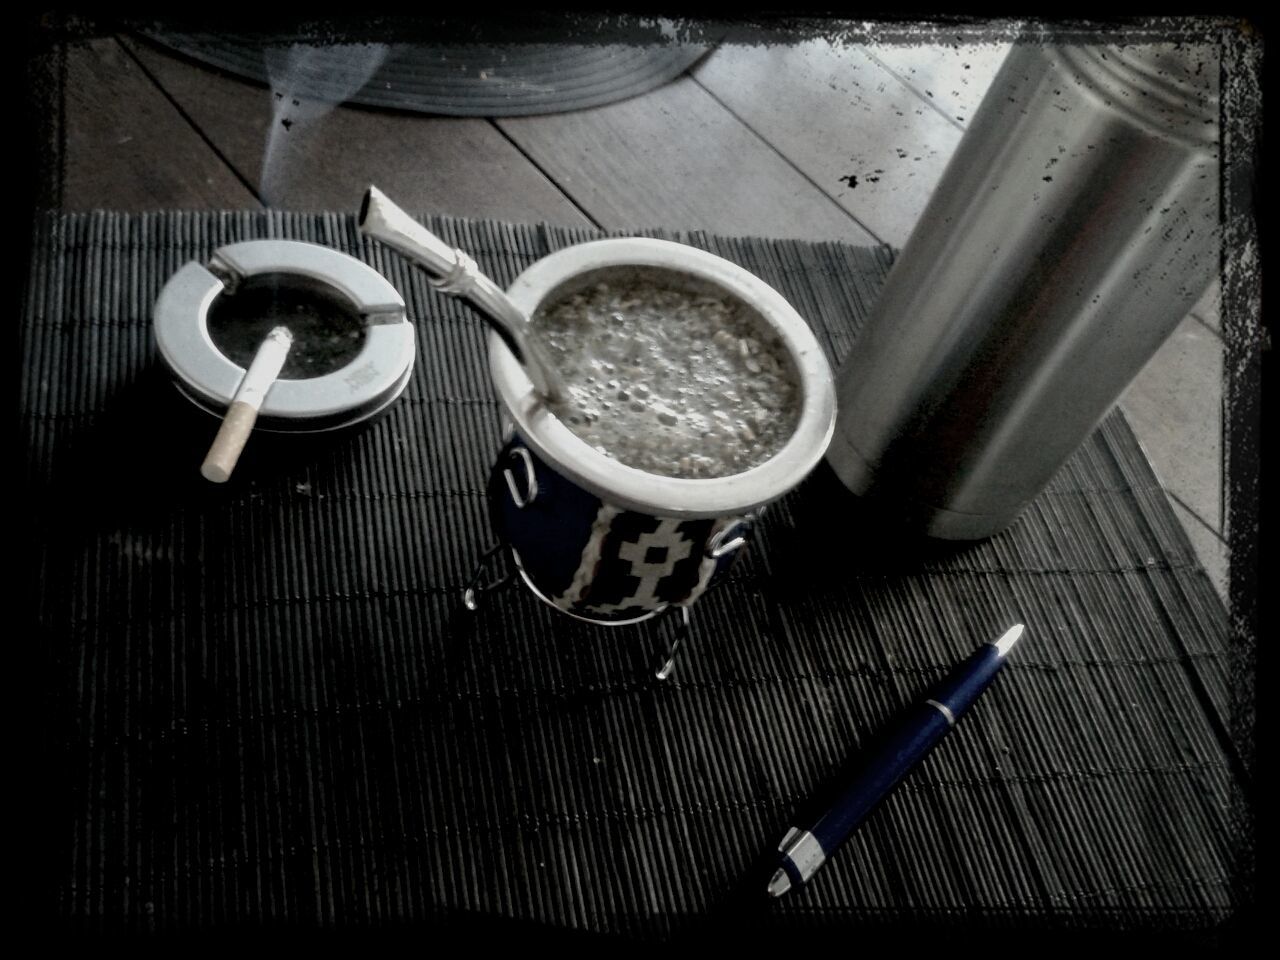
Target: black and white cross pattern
x,y
644,563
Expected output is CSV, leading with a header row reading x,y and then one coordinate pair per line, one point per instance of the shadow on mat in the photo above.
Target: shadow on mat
x,y
138,461
820,535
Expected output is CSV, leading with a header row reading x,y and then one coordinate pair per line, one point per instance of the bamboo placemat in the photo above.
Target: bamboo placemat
x,y
265,707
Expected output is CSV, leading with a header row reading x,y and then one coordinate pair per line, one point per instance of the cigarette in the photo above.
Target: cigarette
x,y
243,412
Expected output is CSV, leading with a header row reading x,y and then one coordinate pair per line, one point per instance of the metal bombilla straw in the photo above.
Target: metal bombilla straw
x,y
455,273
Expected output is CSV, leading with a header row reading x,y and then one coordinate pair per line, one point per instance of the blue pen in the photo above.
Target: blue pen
x,y
804,851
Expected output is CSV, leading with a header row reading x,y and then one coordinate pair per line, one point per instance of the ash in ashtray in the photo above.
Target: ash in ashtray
x,y
327,331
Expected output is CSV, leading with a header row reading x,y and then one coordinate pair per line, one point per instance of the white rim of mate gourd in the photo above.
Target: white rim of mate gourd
x,y
636,489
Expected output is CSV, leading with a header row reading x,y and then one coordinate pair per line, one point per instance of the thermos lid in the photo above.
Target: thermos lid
x,y
200,309
1170,89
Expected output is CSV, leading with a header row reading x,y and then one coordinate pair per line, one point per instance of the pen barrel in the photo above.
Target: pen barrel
x,y
965,683
909,741
881,769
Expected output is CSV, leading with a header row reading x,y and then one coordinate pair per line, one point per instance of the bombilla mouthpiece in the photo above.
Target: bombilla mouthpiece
x,y
453,272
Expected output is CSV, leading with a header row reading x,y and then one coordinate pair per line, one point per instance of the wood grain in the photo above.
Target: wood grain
x,y
853,128
1175,406
1210,548
453,166
128,147
1208,309
951,78
676,158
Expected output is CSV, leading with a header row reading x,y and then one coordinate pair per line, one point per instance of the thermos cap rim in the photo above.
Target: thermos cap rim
x,y
1169,89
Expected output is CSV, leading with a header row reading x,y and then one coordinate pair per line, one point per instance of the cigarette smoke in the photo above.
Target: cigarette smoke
x,y
329,75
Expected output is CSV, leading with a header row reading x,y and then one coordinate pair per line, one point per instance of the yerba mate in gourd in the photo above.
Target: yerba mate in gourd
x,y
669,378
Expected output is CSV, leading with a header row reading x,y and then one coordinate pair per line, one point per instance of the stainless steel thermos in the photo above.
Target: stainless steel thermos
x,y
1074,228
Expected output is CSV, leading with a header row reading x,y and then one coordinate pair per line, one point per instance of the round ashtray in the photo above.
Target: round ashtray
x,y
353,344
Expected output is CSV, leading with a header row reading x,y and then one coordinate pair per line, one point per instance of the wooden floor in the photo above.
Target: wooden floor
x,y
755,140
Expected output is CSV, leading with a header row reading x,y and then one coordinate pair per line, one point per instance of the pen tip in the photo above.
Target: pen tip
x,y
1006,642
780,884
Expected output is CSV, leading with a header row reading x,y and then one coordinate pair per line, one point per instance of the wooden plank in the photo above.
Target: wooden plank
x,y
41,125
849,124
1211,550
455,166
128,147
676,158
1175,406
1208,309
952,78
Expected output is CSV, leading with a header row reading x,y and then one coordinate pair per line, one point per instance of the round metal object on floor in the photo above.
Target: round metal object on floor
x,y
448,79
